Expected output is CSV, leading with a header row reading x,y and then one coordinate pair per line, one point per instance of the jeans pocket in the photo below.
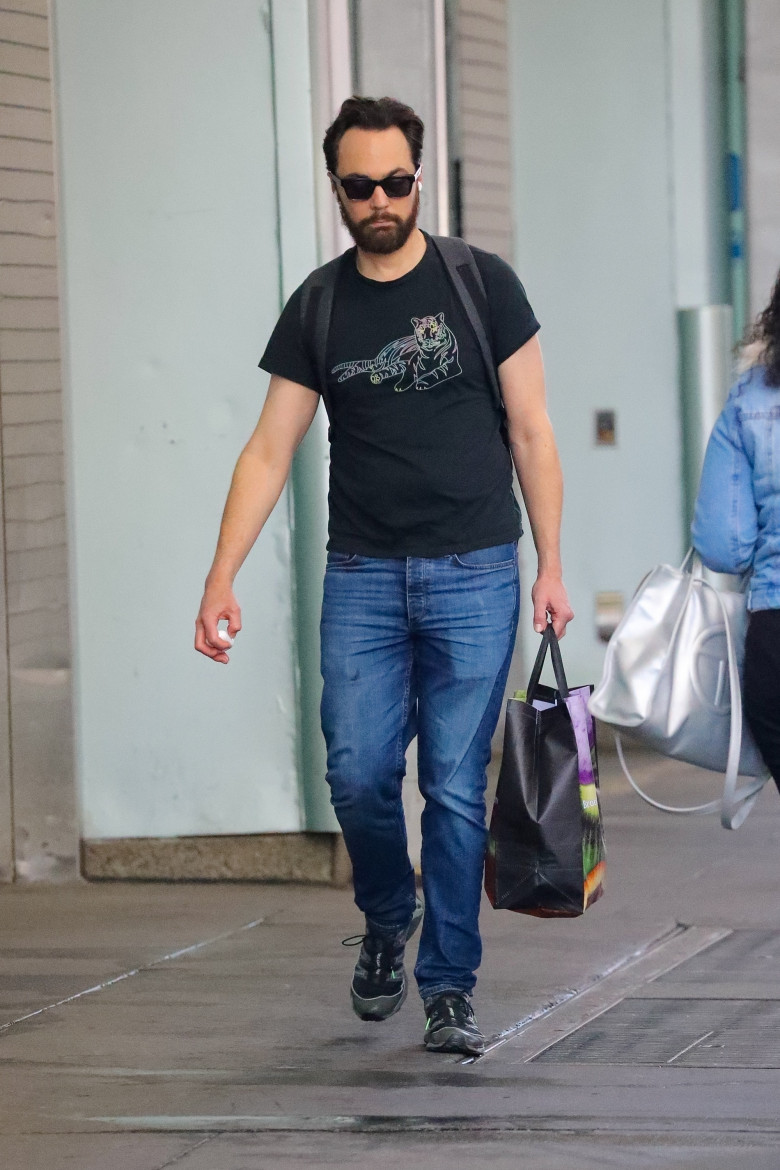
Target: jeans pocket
x,y
499,556
339,560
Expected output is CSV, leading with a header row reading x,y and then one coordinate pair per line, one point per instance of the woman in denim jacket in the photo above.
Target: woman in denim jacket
x,y
736,525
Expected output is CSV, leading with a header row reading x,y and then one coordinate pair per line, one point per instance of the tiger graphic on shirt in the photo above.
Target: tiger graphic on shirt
x,y
426,357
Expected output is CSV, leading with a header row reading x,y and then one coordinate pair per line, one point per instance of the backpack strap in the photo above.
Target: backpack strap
x,y
465,277
316,308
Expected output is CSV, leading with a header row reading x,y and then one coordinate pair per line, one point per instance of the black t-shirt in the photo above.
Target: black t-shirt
x,y
418,463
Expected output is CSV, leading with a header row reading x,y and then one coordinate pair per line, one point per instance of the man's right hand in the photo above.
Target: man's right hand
x,y
260,475
218,602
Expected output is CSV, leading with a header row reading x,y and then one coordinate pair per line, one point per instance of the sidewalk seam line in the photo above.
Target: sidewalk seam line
x,y
129,974
564,997
623,966
420,1123
190,1150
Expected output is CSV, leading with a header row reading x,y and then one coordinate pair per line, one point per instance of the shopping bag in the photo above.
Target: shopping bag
x,y
672,682
545,853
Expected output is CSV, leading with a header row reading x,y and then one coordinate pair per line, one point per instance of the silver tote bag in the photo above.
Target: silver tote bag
x,y
672,681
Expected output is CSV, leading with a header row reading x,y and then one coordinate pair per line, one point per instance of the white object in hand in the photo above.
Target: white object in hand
x,y
225,636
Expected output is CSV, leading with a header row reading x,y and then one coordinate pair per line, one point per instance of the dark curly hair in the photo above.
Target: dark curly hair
x,y
766,331
373,114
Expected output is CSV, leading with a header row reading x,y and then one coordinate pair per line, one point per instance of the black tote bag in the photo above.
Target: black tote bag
x,y
545,852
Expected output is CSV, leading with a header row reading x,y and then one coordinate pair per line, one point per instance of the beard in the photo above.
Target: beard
x,y
381,240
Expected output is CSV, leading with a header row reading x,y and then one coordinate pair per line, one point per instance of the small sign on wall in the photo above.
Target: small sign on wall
x,y
610,607
605,428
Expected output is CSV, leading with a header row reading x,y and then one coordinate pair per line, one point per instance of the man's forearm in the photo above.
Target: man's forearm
x,y
254,491
541,481
532,443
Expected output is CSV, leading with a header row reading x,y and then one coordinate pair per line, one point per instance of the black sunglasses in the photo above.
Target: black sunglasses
x,y
360,189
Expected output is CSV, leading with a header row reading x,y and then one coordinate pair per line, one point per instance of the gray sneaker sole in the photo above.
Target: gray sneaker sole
x,y
382,1007
454,1040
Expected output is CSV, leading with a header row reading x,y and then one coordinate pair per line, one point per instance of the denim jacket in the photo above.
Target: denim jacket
x,y
736,524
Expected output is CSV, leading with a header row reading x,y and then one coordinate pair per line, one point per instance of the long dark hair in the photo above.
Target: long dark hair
x,y
766,332
373,114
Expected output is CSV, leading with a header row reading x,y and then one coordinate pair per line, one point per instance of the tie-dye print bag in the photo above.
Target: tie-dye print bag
x,y
546,848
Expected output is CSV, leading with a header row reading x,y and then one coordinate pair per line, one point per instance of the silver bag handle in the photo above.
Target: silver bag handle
x,y
737,802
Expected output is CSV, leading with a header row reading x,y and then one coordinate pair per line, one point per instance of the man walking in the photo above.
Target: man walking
x,y
421,588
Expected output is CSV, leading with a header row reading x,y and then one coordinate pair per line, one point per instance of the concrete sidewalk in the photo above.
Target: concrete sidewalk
x,y
208,1027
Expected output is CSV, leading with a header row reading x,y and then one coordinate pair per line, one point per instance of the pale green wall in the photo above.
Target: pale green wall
x,y
172,285
617,222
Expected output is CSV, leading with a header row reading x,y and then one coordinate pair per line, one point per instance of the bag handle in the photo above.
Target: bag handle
x,y
549,641
732,815
736,803
710,807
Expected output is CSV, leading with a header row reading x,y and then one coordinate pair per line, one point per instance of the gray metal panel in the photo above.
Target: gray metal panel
x,y
707,1033
753,956
705,1025
705,377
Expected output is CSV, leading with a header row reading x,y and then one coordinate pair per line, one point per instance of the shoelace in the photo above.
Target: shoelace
x,y
450,1007
354,940
381,959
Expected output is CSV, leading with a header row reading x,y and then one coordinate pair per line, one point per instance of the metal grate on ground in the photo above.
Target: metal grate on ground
x,y
703,1029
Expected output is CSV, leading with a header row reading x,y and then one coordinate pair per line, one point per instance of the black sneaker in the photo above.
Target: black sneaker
x,y
379,982
450,1025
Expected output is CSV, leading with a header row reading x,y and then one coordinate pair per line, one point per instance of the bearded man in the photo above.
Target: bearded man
x,y
421,588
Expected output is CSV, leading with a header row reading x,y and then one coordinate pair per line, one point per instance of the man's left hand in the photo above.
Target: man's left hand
x,y
549,597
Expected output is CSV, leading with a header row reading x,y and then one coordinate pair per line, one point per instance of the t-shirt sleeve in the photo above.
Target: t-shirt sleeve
x,y
512,319
287,353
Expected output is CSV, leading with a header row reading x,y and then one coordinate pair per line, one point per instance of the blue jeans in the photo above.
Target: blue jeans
x,y
417,646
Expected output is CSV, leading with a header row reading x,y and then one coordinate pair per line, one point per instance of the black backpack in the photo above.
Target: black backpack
x,y
461,268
